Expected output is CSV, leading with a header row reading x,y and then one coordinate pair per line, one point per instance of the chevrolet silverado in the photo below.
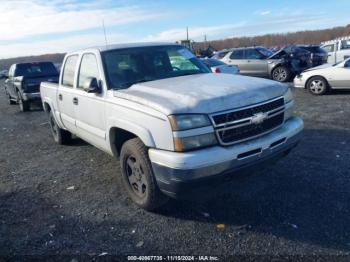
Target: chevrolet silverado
x,y
173,124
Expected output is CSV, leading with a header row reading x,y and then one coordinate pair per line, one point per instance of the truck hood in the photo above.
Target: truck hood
x,y
202,93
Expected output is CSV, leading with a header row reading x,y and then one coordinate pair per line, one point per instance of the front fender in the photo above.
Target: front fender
x,y
141,132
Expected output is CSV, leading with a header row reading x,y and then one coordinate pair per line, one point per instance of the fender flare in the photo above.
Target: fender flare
x,y
141,132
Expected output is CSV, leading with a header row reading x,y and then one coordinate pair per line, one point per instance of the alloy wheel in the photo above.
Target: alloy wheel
x,y
280,74
136,176
317,86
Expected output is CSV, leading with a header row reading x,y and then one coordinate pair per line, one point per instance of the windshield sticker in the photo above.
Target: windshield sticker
x,y
185,53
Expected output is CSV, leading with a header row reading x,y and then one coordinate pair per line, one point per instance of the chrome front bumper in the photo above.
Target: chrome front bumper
x,y
177,173
299,82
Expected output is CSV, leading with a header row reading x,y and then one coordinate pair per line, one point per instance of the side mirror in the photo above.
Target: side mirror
x,y
92,85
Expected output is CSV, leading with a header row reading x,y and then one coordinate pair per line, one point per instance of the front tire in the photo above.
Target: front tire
x,y
281,74
61,136
11,102
137,176
23,105
317,85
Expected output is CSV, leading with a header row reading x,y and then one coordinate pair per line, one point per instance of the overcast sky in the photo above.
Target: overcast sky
x,y
43,26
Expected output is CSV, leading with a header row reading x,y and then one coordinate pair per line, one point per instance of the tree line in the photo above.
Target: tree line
x,y
309,37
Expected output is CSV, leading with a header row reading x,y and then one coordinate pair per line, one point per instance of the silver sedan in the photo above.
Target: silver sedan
x,y
319,80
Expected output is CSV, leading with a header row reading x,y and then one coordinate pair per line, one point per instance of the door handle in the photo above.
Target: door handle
x,y
75,101
60,97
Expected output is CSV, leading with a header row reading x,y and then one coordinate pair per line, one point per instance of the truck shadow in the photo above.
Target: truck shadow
x,y
304,197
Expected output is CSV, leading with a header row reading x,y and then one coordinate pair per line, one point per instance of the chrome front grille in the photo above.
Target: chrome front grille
x,y
242,124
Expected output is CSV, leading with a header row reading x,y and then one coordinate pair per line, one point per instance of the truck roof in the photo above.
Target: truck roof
x,y
123,46
335,40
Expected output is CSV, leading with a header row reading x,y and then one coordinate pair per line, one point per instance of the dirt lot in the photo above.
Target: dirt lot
x,y
300,206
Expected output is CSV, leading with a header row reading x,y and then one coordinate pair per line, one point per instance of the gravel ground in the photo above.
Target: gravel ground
x,y
68,200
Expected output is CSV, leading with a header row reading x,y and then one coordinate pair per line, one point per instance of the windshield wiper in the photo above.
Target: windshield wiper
x,y
128,84
190,73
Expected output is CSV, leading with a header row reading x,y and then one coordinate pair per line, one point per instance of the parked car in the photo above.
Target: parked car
x,y
337,49
173,128
23,83
217,66
281,66
321,79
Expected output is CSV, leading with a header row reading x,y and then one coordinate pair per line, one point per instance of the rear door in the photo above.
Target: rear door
x,y
65,93
90,107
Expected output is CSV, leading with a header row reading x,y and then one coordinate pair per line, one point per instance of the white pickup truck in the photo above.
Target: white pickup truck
x,y
337,49
173,124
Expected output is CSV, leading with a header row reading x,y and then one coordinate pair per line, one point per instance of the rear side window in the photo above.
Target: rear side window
x,y
237,54
69,70
88,69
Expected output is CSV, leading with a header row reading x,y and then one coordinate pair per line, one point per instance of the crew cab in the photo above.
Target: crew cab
x,y
174,125
23,83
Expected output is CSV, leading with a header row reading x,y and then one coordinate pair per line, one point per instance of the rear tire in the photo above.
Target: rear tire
x,y
61,136
317,85
281,74
137,176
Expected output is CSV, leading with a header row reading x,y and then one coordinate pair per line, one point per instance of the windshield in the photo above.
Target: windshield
x,y
36,69
125,67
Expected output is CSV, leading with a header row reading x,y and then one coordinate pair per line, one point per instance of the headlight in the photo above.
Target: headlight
x,y
190,121
194,142
288,96
289,105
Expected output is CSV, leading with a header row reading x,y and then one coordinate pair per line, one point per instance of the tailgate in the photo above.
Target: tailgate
x,y
32,84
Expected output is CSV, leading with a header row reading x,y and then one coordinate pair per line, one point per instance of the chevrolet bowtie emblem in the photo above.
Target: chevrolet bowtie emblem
x,y
259,118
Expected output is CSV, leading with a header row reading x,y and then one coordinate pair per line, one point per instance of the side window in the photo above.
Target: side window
x,y
88,68
345,44
69,70
329,48
252,54
237,54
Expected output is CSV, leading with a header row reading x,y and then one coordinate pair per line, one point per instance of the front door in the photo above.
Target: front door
x,y
340,76
90,107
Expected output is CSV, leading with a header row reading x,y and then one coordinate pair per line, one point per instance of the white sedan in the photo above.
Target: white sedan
x,y
319,80
216,66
